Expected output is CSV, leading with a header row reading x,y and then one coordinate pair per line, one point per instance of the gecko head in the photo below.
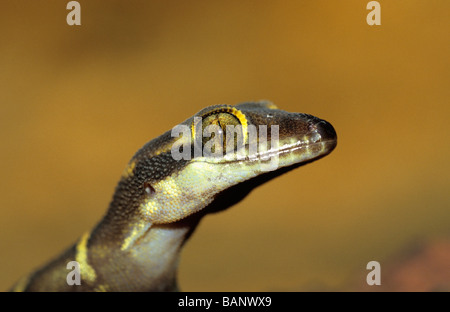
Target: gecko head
x,y
218,149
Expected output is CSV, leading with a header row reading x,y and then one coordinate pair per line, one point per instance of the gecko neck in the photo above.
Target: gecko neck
x,y
147,263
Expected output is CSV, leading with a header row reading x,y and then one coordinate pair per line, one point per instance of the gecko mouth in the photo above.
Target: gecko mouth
x,y
291,156
320,140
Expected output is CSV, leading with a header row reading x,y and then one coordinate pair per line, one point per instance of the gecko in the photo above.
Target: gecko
x,y
172,182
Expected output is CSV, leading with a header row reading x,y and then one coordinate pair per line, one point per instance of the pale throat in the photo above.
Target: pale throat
x,y
158,250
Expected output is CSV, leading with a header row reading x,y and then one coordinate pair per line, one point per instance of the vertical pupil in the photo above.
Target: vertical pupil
x,y
222,120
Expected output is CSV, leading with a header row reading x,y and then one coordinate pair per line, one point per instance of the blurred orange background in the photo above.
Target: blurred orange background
x,y
76,102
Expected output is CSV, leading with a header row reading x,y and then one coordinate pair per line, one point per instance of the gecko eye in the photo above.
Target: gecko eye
x,y
214,128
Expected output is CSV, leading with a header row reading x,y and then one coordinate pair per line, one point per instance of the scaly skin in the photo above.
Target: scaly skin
x,y
159,200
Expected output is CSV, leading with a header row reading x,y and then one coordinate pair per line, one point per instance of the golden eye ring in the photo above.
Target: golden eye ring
x,y
225,109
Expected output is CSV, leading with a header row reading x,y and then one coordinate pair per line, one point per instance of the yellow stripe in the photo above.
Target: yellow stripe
x,y
137,232
21,284
87,271
101,288
227,109
129,169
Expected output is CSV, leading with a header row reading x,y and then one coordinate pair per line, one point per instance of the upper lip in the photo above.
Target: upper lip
x,y
321,133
